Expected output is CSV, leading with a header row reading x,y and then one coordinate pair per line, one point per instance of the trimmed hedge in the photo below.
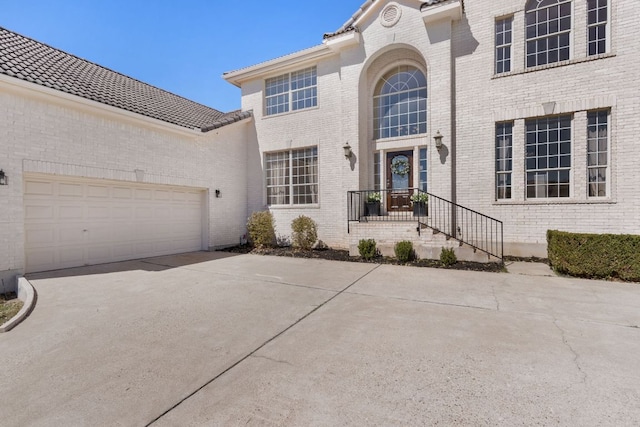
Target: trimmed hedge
x,y
595,256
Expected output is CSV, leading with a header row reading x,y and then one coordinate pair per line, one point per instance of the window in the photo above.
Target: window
x,y
597,12
503,45
548,31
400,103
291,92
597,152
423,169
292,177
504,159
548,157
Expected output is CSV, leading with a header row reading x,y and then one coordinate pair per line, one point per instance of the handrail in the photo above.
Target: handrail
x,y
468,226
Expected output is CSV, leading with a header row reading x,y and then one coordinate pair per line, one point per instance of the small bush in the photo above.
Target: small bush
x,y
261,227
448,257
305,232
595,256
404,251
367,249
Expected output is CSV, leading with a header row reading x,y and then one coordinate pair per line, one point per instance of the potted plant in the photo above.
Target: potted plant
x,y
372,204
419,200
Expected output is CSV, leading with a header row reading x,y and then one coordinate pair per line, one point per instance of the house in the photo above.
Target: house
x,y
513,116
533,105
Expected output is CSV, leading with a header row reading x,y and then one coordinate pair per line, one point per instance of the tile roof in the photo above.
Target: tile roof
x,y
348,26
38,63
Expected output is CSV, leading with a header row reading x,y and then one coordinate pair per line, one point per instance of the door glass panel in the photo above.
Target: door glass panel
x,y
400,170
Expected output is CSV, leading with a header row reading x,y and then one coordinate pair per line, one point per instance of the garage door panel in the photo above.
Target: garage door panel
x,y
143,194
98,192
145,213
70,235
162,195
70,255
99,212
70,190
39,236
36,188
122,193
71,222
122,212
38,211
71,212
41,259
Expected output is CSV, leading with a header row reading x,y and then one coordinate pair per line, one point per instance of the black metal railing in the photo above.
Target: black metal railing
x,y
470,227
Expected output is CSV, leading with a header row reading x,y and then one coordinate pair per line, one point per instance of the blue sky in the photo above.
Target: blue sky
x,y
180,46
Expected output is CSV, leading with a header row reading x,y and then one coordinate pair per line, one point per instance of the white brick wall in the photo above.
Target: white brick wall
x,y
43,133
345,87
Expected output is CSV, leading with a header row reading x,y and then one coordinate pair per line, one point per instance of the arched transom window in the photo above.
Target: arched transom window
x,y
400,103
548,31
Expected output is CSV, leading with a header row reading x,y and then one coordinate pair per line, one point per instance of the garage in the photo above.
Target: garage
x,y
71,222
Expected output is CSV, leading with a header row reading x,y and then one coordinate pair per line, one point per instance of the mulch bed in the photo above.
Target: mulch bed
x,y
343,255
9,306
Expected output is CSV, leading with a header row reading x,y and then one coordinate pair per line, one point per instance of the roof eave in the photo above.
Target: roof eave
x,y
242,75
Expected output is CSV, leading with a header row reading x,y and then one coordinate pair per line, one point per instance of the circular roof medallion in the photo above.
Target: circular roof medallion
x,y
390,15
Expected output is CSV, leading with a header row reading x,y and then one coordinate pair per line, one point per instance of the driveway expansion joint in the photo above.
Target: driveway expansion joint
x,y
260,347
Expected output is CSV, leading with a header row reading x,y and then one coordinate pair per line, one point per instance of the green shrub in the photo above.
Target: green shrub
x,y
595,256
448,257
261,227
404,251
367,248
305,232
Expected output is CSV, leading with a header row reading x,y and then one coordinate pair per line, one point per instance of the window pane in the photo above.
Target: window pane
x,y
400,98
548,32
545,169
504,149
503,45
597,152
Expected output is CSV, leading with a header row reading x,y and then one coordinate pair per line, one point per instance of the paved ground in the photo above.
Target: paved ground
x,y
214,339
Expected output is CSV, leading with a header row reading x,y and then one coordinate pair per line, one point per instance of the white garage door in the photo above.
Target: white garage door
x,y
72,222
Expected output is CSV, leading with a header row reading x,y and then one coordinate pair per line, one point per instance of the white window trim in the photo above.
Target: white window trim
x,y
607,31
290,92
571,33
292,205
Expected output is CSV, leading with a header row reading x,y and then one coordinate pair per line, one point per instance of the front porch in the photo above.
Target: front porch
x,y
428,221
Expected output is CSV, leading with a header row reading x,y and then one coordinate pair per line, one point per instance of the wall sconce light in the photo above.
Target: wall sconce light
x,y
438,139
3,178
218,194
347,150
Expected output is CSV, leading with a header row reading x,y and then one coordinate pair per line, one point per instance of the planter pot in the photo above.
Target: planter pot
x,y
372,208
420,209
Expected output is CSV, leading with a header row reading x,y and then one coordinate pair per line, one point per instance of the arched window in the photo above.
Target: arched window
x,y
548,25
400,103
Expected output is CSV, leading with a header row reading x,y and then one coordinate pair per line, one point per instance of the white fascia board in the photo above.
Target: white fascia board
x,y
294,59
451,11
343,41
34,90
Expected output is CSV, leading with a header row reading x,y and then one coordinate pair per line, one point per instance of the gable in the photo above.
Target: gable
x,y
371,6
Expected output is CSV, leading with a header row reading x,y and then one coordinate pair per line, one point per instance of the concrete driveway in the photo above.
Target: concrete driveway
x,y
215,339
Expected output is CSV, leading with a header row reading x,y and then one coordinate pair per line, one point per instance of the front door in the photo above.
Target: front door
x,y
399,180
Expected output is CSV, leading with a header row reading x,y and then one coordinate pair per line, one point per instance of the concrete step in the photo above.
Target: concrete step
x,y
427,243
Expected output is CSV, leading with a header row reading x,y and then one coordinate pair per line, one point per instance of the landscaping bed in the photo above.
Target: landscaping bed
x,y
343,255
10,305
